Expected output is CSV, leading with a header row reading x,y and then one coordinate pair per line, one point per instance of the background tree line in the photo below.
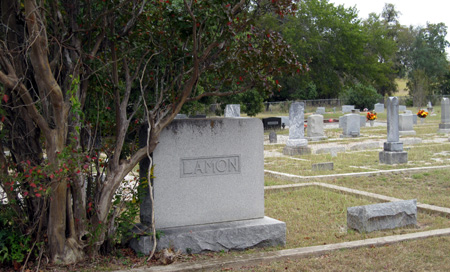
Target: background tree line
x,y
353,58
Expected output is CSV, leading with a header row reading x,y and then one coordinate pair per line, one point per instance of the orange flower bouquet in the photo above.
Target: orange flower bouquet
x,y
371,116
422,114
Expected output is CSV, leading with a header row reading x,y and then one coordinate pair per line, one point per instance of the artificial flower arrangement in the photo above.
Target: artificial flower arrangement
x,y
422,114
371,116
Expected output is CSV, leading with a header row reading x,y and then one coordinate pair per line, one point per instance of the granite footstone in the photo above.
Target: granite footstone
x,y
382,216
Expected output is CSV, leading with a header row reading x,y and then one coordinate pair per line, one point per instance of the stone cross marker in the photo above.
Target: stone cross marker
x,y
444,126
393,149
233,110
297,144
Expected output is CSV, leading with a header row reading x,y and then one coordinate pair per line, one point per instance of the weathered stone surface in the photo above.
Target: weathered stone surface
x,y
330,150
405,124
382,216
323,166
296,150
364,146
347,108
320,110
285,120
233,110
401,108
444,126
362,121
181,116
393,149
379,108
315,131
351,124
296,142
393,157
208,171
236,235
273,137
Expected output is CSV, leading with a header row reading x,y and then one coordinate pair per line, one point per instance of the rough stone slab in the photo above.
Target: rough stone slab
x,y
443,131
316,138
323,166
330,150
382,216
362,121
364,146
296,150
401,108
389,157
407,132
379,108
235,235
411,141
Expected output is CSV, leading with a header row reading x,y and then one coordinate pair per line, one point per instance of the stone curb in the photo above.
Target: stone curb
x,y
370,173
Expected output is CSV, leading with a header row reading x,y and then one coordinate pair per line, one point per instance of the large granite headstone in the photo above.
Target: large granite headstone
x,y
233,110
379,108
382,216
444,126
315,130
393,149
209,187
350,124
405,124
297,144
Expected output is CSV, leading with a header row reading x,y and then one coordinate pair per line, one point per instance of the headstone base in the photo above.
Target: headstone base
x,y
444,128
235,235
392,157
296,150
318,138
407,132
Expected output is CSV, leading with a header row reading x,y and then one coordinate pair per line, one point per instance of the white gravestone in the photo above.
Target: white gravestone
x,y
444,126
347,108
233,110
315,131
379,108
350,124
297,144
393,149
320,110
405,124
209,186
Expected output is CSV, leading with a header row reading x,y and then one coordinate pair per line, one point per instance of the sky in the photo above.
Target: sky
x,y
413,12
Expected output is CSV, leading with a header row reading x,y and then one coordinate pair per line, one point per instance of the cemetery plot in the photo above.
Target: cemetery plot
x,y
315,216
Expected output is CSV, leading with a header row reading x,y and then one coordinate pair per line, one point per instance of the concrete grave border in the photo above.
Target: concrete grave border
x,y
267,257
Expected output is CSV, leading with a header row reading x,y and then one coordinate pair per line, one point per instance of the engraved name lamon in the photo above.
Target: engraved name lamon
x,y
208,166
